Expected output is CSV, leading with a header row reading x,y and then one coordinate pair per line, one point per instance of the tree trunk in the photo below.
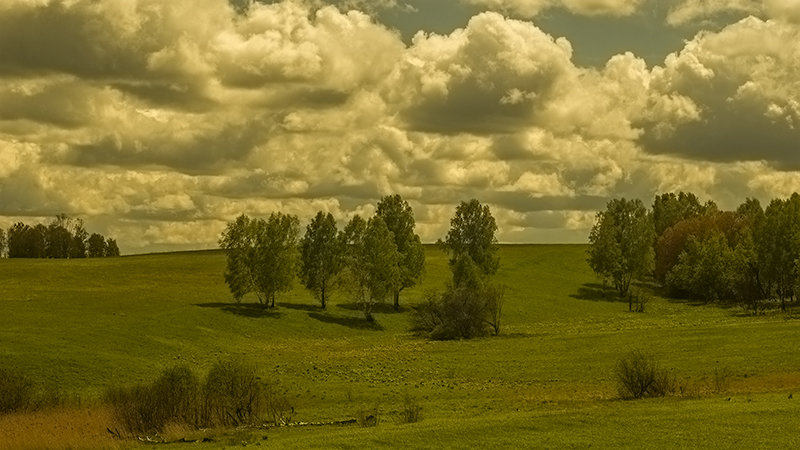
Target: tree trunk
x,y
322,297
397,300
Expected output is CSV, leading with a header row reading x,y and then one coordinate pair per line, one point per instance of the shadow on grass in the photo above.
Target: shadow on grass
x,y
300,306
598,293
380,308
255,310
359,323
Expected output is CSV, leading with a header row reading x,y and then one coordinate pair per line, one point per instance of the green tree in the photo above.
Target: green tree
x,y
399,218
669,209
372,261
96,246
261,256
2,243
111,247
471,240
705,268
320,256
778,247
621,243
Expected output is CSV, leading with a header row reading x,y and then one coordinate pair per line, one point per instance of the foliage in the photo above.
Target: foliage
x,y
399,219
233,395
261,256
639,375
621,243
471,235
230,395
669,209
372,260
410,413
2,242
320,256
62,238
777,244
461,312
17,391
704,270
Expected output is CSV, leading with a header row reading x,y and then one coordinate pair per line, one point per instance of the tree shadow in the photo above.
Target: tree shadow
x,y
597,292
255,310
359,323
299,306
379,308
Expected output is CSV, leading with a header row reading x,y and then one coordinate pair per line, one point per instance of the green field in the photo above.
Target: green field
x,y
546,381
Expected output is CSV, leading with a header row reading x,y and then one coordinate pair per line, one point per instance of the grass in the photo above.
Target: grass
x,y
546,380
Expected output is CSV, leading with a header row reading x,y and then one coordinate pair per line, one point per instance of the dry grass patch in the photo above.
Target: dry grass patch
x,y
61,428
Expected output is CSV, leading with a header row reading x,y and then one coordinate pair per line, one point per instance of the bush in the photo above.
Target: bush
x,y
411,409
368,417
17,391
462,312
640,375
233,395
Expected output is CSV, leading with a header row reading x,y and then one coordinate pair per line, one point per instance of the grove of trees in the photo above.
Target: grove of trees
x,y
63,237
749,256
371,259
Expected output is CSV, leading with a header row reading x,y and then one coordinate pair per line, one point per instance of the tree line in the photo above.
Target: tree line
x,y
63,237
694,250
372,260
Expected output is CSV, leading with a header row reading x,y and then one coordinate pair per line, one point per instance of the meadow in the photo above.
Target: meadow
x,y
546,381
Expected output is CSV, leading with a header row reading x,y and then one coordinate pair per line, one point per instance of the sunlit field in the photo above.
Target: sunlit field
x,y
546,381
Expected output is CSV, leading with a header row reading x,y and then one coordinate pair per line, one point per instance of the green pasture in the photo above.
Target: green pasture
x,y
545,381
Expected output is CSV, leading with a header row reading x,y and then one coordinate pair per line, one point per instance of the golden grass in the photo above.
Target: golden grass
x,y
62,428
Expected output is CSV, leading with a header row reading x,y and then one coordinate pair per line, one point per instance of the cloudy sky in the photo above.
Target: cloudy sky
x,y
157,121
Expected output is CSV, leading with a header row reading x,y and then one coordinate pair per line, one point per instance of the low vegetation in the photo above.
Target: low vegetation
x,y
640,375
231,395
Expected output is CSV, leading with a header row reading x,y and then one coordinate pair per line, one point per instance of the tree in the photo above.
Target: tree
x,y
25,241
96,246
621,243
669,209
111,247
2,243
704,269
778,247
372,261
77,247
472,236
320,256
261,256
470,305
399,218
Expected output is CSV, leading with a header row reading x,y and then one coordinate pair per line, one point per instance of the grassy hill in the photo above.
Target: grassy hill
x,y
546,381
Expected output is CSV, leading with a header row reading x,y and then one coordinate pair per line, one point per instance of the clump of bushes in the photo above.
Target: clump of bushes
x,y
461,312
640,375
20,392
231,395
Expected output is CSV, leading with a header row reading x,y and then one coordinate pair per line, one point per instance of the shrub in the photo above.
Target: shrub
x,y
368,417
411,409
233,395
640,375
20,392
17,391
462,312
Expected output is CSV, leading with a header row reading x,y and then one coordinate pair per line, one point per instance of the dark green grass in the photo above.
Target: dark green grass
x,y
89,324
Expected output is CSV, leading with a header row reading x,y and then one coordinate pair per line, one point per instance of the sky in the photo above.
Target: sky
x,y
158,121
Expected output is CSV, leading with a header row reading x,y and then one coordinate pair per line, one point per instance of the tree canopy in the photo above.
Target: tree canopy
x,y
621,243
471,240
321,257
399,219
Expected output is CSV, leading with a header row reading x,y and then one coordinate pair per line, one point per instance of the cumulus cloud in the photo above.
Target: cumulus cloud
x,y
734,96
491,76
157,129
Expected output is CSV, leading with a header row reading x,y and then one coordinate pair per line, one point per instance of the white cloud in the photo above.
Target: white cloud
x,y
690,11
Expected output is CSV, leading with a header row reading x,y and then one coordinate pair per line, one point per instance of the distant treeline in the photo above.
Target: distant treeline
x,y
64,237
